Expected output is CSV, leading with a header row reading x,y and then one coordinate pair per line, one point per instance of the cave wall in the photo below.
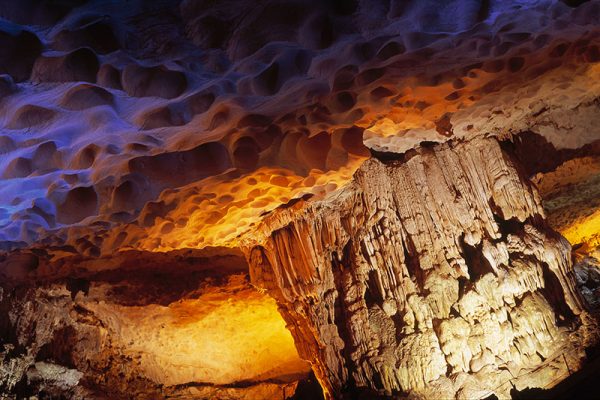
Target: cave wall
x,y
170,124
139,325
160,126
434,274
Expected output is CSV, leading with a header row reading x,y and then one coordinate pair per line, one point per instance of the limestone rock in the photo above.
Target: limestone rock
x,y
421,270
183,325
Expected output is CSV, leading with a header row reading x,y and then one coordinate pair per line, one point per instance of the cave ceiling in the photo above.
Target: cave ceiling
x,y
280,198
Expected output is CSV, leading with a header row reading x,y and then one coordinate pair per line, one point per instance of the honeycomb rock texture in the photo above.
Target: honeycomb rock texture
x,y
172,124
434,275
208,198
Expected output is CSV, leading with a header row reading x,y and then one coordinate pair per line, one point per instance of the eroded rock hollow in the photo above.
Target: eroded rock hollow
x,y
291,199
435,274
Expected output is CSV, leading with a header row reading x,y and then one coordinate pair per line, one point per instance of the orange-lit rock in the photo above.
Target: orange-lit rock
x,y
573,200
128,325
373,160
226,335
153,140
433,274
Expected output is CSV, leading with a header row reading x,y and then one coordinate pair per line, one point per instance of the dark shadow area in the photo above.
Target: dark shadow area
x,y
535,154
308,389
581,385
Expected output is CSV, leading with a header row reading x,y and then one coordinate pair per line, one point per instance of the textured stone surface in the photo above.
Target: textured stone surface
x,y
143,326
178,123
182,124
572,198
421,271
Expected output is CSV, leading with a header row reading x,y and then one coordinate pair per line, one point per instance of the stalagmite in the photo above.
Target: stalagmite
x,y
423,269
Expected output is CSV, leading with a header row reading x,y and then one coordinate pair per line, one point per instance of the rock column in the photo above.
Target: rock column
x,y
434,274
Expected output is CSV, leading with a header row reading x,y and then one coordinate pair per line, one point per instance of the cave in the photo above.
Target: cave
x,y
299,199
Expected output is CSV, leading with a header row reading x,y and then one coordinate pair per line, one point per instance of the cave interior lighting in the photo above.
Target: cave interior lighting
x,y
299,199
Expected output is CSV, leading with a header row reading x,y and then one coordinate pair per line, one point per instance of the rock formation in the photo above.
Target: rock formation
x,y
176,124
205,199
141,325
433,274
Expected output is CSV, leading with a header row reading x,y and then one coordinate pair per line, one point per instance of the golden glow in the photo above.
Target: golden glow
x,y
480,102
571,194
216,212
224,336
585,230
427,105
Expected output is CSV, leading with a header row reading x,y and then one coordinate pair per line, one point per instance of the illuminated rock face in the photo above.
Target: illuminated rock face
x,y
360,151
144,326
433,274
159,126
572,193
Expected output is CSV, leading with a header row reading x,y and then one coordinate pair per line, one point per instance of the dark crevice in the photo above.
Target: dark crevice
x,y
341,320
372,295
510,226
75,285
574,3
541,356
534,154
484,10
507,226
477,264
308,389
59,349
413,265
519,300
389,157
555,295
